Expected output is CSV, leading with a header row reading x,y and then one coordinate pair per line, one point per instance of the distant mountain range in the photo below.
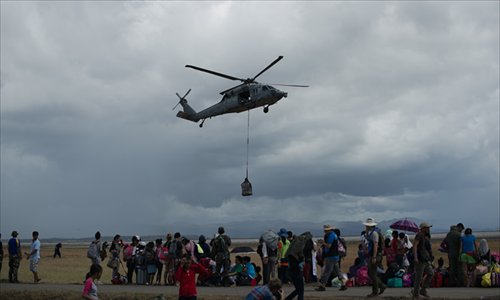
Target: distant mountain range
x,y
249,230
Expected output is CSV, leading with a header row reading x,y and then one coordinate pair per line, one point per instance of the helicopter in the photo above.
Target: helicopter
x,y
248,95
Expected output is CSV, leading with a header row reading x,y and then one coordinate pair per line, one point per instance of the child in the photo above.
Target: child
x,y
90,289
186,276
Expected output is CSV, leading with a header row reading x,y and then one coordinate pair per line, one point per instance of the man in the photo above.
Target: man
x,y
94,250
375,242
34,256
15,257
1,253
220,252
282,258
422,253
269,254
456,269
331,258
271,291
295,255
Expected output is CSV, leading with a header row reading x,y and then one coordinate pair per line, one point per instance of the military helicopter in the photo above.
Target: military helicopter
x,y
245,96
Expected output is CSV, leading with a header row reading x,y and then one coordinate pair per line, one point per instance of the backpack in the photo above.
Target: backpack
x,y
362,277
271,239
342,247
380,248
92,251
296,247
220,245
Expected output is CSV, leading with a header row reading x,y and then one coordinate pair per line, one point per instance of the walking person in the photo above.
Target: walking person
x,y
331,259
452,239
94,250
129,251
296,256
422,253
375,249
34,256
15,257
90,287
57,250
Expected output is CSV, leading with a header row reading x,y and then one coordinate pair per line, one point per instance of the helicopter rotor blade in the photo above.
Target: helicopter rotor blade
x,y
267,68
181,98
214,73
292,85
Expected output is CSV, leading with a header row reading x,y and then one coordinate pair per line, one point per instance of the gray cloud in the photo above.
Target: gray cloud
x,y
401,118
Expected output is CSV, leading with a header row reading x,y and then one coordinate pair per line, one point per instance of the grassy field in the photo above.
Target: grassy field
x,y
72,267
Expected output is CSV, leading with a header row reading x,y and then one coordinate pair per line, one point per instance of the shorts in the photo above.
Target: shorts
x,y
34,265
467,258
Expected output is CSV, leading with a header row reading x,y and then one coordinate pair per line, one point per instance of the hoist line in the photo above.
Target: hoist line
x,y
248,138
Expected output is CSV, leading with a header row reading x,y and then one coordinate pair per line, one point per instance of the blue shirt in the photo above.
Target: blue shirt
x,y
250,270
14,246
468,243
330,239
35,246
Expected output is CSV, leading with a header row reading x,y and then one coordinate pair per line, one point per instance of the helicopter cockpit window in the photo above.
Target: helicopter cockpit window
x,y
264,88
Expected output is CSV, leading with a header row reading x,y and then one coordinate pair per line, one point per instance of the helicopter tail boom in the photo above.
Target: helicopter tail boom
x,y
186,116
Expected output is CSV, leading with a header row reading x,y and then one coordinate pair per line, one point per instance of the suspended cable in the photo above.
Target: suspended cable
x,y
246,186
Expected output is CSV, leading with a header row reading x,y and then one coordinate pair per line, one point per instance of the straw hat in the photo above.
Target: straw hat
x,y
425,225
370,222
327,227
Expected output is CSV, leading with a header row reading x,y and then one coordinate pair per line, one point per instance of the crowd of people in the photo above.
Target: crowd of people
x,y
285,259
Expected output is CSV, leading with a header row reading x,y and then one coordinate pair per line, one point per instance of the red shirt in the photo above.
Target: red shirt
x,y
187,279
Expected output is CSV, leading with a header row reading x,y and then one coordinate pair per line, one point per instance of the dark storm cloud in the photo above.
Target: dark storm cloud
x,y
401,118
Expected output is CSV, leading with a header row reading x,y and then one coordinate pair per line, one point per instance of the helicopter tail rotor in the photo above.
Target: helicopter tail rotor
x,y
181,98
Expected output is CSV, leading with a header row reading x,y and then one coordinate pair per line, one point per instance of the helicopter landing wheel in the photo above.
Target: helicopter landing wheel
x,y
266,109
201,124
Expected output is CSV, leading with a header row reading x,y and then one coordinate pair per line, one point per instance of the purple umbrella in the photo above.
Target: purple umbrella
x,y
405,225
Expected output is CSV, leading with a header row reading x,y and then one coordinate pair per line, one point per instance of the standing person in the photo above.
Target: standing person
x,y
34,256
129,252
114,260
94,250
268,243
375,242
151,262
422,253
168,277
270,291
331,259
90,287
186,277
452,239
15,257
202,249
468,254
1,253
282,258
295,264
220,252
160,259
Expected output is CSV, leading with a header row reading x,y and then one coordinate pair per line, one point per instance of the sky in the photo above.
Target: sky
x,y
400,119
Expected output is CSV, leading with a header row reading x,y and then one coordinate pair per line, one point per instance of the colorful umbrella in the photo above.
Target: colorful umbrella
x,y
405,225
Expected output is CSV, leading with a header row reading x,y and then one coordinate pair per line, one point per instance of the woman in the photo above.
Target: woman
x,y
468,250
114,260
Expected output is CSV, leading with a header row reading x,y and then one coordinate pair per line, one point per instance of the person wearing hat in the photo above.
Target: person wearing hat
x,y
282,258
422,253
15,256
331,261
375,250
